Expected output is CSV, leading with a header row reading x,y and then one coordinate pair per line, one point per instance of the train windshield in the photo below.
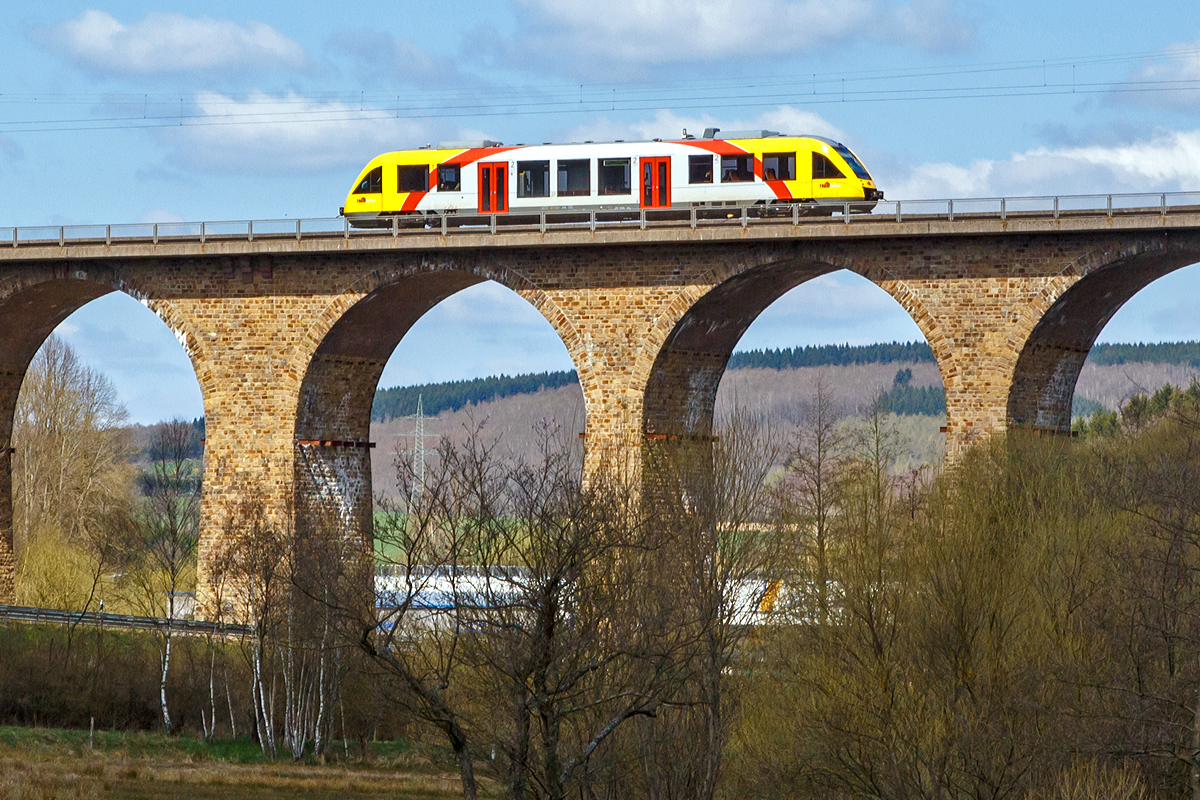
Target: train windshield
x,y
859,170
372,182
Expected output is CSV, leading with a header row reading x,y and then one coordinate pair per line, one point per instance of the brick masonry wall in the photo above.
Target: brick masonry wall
x,y
289,346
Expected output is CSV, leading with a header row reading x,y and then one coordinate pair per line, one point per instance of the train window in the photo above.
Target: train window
x,y
574,177
414,179
449,178
372,183
700,169
533,179
737,168
779,166
824,168
859,170
614,177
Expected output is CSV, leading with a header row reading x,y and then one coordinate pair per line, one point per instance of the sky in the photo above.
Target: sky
x,y
133,111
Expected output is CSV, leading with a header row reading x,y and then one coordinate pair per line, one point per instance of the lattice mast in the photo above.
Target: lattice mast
x,y
419,435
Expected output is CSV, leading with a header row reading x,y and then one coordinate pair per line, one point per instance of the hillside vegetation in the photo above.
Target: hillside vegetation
x,y
401,401
1112,373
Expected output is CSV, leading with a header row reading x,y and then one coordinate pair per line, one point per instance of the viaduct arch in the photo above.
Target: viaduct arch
x,y
284,332
1043,383
32,304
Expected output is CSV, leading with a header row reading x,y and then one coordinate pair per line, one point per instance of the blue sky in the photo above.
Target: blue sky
x,y
126,111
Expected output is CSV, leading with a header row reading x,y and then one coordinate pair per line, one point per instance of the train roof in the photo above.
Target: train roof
x,y
709,134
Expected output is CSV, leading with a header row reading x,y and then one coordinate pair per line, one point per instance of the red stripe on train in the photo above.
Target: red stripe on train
x,y
724,148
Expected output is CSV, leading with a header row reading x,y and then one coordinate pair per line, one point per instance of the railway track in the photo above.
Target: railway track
x,y
185,627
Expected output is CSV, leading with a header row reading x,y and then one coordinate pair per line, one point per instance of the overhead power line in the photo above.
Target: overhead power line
x,y
873,86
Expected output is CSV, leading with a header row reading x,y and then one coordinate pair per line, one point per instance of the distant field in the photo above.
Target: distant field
x,y
51,763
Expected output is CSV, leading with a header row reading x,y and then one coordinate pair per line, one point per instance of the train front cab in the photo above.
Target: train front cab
x,y
838,176
394,184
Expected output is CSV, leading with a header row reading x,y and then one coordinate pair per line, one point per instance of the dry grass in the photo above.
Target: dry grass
x,y
40,767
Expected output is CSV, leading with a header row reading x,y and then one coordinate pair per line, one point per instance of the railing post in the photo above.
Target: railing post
x,y
1110,205
443,223
542,221
346,227
899,218
1003,209
249,230
62,236
395,226
297,230
950,210
1164,204
155,234
846,213
592,219
745,216
493,223
1056,206
643,218
201,233
795,215
108,234
693,218
14,236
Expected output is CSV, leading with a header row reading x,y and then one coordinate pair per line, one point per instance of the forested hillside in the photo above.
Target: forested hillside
x,y
1181,353
1111,373
832,355
401,401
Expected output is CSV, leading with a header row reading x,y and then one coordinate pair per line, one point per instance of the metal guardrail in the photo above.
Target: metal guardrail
x,y
186,627
516,221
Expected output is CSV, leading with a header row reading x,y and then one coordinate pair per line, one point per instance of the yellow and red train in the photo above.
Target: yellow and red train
x,y
755,168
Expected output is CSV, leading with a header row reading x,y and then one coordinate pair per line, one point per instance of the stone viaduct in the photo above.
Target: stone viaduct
x,y
289,335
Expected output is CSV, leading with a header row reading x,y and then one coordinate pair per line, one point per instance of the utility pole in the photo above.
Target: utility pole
x,y
419,436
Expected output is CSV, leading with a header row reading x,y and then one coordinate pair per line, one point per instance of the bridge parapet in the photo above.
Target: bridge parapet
x,y
948,217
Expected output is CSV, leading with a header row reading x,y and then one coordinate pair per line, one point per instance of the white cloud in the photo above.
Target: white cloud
x,y
624,36
834,308
265,134
1171,69
668,125
123,339
1168,161
170,43
485,329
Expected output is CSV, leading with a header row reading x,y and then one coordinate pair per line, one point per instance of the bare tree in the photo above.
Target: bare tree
x,y
169,522
517,614
812,491
70,469
722,516
426,549
252,568
577,635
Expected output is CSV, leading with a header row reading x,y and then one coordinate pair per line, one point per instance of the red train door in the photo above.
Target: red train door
x,y
493,192
656,182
